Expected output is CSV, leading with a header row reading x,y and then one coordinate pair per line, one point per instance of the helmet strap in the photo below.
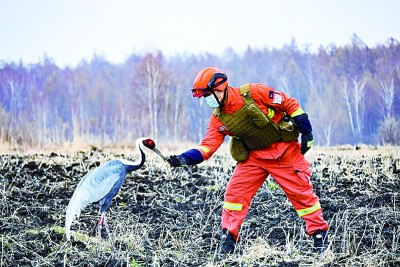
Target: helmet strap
x,y
225,96
221,104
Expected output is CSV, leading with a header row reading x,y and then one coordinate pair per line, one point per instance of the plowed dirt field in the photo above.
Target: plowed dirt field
x,y
171,217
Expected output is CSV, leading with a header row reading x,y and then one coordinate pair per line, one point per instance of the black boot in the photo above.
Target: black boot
x,y
228,243
320,240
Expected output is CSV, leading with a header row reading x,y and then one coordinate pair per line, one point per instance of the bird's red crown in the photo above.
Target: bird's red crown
x,y
149,143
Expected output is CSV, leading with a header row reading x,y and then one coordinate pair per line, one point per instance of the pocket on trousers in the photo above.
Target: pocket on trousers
x,y
302,170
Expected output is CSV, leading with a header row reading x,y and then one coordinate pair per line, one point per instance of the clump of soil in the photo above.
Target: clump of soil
x,y
171,217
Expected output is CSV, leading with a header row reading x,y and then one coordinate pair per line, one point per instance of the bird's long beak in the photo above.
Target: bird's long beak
x,y
159,153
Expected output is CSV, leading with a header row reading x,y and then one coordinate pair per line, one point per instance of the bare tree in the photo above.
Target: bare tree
x,y
359,86
387,94
328,131
389,132
176,112
156,81
348,105
354,98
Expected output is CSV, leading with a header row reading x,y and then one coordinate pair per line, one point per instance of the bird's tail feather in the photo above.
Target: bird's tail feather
x,y
76,204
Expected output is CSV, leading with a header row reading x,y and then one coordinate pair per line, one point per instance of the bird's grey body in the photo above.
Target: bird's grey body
x,y
101,185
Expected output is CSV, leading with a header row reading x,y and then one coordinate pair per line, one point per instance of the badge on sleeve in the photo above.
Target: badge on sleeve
x,y
277,99
271,94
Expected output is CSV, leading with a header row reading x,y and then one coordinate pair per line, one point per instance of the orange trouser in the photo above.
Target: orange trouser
x,y
291,171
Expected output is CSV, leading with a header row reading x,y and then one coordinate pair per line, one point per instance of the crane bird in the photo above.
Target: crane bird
x,y
101,185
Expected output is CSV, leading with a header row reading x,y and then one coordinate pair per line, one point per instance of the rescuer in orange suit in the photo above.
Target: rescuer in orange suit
x,y
264,125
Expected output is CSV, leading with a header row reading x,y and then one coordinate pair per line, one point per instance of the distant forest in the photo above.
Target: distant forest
x,y
351,93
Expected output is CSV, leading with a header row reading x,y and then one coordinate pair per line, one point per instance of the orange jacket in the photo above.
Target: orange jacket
x,y
269,100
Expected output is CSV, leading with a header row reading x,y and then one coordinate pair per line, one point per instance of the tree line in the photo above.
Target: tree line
x,y
351,94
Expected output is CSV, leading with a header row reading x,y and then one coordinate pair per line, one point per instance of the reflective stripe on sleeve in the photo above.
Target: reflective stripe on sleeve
x,y
297,113
310,143
233,206
303,212
271,113
204,149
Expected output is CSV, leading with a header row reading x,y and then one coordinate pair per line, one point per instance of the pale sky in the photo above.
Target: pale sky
x,y
71,30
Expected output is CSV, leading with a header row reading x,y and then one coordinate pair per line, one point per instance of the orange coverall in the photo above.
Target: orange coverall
x,y
283,161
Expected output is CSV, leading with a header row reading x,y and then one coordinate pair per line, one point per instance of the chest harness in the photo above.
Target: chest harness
x,y
252,129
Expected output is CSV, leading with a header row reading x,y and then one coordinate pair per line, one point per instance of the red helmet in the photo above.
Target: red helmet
x,y
207,80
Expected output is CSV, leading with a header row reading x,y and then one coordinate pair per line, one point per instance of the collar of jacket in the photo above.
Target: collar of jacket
x,y
234,101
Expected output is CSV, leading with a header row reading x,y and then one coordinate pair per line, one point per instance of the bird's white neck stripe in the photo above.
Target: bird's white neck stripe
x,y
128,162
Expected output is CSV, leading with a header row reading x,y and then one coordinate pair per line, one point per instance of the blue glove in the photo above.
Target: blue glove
x,y
190,157
304,126
307,141
176,160
303,123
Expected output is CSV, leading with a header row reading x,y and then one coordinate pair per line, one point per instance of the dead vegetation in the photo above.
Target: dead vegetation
x,y
171,217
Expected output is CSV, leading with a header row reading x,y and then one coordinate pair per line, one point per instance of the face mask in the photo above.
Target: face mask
x,y
212,101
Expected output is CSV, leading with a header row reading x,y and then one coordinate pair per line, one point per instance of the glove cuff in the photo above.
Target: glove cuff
x,y
303,123
192,157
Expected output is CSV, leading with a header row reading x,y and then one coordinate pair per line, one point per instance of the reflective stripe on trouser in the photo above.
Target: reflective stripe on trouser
x,y
233,206
291,172
303,212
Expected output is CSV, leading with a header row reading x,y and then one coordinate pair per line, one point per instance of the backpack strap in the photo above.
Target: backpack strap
x,y
246,94
244,89
217,112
